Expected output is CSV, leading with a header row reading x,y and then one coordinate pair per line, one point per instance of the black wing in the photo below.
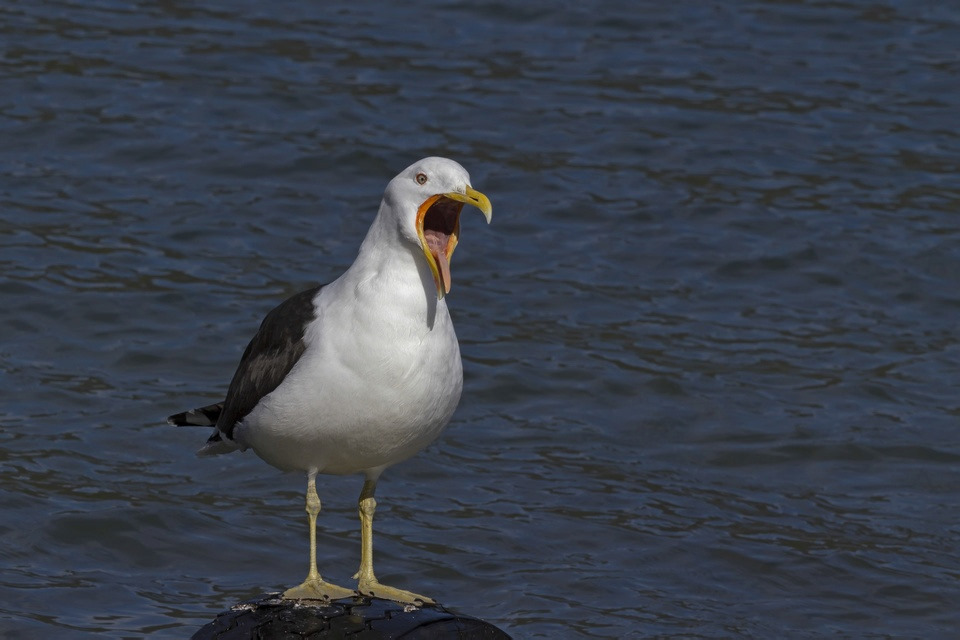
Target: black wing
x,y
268,358
202,417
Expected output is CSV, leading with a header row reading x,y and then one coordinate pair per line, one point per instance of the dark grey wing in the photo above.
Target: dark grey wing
x,y
268,358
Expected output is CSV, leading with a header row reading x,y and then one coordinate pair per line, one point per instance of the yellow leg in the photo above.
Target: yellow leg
x,y
367,581
314,587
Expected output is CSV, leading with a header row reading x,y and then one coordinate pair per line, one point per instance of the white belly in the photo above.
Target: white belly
x,y
373,388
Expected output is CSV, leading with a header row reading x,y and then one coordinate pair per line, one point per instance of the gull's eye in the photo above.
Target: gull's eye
x,y
421,178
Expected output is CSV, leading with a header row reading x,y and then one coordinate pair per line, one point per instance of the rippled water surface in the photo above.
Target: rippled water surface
x,y
710,339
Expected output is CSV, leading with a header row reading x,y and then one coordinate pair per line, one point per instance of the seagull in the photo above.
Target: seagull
x,y
362,373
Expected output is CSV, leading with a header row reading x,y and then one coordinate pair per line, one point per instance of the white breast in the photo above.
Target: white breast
x,y
379,380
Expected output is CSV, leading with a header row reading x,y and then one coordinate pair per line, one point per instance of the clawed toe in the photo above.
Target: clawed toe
x,y
376,590
318,590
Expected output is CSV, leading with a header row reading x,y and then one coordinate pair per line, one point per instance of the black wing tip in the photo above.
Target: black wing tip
x,y
202,417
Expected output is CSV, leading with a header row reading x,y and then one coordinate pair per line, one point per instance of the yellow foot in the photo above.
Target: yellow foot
x,y
316,589
375,589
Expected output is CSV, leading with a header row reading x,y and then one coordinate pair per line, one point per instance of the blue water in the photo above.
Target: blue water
x,y
710,340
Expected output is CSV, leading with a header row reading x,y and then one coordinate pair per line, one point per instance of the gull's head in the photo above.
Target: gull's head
x,y
427,198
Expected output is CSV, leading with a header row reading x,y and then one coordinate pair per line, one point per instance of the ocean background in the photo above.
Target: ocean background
x,y
710,341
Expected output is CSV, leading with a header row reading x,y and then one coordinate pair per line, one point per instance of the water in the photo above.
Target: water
x,y
710,340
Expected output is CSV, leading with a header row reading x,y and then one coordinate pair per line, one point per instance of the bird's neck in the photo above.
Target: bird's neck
x,y
390,270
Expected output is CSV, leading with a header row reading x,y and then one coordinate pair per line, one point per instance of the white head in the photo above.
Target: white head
x,y
425,201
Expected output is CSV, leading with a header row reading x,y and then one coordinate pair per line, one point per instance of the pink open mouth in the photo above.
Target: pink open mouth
x,y
438,221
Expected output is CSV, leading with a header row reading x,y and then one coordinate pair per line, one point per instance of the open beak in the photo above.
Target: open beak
x,y
438,225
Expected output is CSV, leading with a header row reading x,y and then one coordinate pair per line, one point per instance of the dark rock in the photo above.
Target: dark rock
x,y
270,617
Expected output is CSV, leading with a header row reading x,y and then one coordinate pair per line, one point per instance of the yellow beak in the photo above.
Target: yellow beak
x,y
438,225
475,198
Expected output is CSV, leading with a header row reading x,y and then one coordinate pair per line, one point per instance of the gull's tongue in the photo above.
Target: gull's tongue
x,y
437,249
444,265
